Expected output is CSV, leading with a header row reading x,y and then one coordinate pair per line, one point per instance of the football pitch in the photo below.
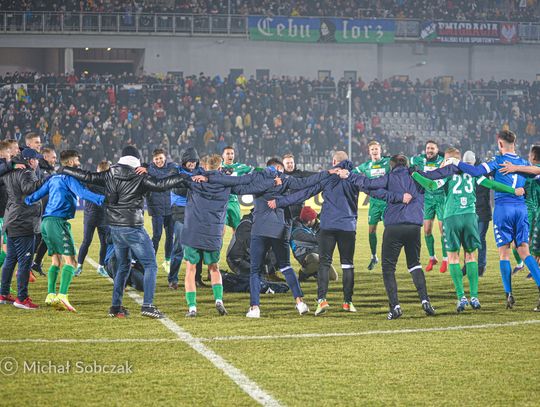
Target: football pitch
x,y
485,357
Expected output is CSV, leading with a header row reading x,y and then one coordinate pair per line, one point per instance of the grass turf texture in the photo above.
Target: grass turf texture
x,y
493,366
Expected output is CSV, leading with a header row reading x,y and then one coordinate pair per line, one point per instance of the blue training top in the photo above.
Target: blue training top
x,y
63,191
515,180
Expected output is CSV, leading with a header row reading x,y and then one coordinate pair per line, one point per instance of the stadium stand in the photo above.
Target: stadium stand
x,y
99,114
470,10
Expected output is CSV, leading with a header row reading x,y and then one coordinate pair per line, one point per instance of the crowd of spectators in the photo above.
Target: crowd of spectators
x,y
261,118
513,10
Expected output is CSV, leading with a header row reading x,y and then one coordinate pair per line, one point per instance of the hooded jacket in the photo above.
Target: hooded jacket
x,y
295,209
125,191
275,223
159,203
340,207
206,208
179,195
396,183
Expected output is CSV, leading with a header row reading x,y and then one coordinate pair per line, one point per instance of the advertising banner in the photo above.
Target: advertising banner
x,y
463,32
322,30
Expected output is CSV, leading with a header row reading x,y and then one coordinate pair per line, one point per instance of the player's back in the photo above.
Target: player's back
x,y
460,196
513,180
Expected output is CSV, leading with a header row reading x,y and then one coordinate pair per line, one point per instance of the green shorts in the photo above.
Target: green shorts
x,y
56,232
434,205
461,230
233,215
376,212
3,235
194,255
535,236
532,215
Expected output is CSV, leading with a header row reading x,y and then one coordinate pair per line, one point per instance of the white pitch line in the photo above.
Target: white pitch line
x,y
236,375
366,333
95,340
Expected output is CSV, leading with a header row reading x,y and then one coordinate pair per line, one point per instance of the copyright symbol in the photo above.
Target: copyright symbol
x,y
8,366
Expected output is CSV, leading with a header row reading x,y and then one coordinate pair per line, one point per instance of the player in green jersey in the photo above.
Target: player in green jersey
x,y
236,169
460,225
433,203
532,200
376,167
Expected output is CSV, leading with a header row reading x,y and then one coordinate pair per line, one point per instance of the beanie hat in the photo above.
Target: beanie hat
x,y
132,151
469,157
307,214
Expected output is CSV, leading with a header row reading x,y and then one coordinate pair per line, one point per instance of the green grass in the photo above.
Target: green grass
x,y
494,366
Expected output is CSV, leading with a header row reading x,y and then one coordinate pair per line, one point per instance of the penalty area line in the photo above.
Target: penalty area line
x,y
251,388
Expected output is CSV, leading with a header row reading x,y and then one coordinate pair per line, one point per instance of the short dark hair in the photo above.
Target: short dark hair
x,y
227,148
399,160
273,162
535,151
158,151
432,142
507,136
31,136
67,155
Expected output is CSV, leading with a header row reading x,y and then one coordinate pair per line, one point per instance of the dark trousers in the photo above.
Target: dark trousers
x,y
158,224
89,229
259,246
133,240
19,250
345,241
395,238
482,252
40,249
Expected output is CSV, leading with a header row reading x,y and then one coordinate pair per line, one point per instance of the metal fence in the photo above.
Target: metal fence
x,y
171,24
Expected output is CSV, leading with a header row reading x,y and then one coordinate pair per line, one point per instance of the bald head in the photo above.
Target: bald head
x,y
339,156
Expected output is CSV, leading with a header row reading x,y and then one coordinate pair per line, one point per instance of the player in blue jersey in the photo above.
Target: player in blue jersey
x,y
510,220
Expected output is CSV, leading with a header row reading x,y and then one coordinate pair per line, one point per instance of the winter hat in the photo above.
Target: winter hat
x,y
29,153
469,157
131,151
307,214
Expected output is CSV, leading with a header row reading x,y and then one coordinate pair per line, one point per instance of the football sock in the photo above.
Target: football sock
x,y
419,281
191,298
443,246
430,243
348,284
532,265
217,289
506,275
516,256
373,243
472,275
52,275
457,278
67,276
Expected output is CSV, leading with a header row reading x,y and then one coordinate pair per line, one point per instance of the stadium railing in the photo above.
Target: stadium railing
x,y
172,24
